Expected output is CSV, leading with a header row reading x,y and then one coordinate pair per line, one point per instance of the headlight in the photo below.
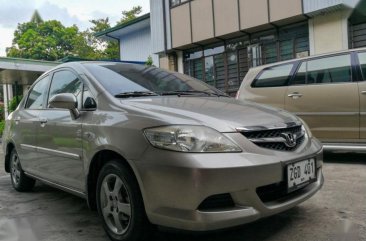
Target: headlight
x,y
307,129
190,139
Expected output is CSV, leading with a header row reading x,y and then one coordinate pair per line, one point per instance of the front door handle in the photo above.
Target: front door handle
x,y
43,121
17,119
295,95
363,92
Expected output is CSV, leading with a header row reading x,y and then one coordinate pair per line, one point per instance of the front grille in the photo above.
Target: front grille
x,y
276,139
214,202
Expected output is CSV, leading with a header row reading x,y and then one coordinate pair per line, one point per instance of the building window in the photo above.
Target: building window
x,y
357,33
255,55
225,65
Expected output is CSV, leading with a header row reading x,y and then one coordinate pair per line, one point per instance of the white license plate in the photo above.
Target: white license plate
x,y
300,173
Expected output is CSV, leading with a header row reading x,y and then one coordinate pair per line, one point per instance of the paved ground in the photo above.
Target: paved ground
x,y
337,212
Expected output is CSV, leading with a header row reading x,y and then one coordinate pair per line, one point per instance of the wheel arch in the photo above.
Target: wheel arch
x,y
96,164
9,148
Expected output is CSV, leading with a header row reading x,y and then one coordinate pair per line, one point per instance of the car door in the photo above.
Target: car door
x,y
323,94
59,136
26,120
362,93
269,87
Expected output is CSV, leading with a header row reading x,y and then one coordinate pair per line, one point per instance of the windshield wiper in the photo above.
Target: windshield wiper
x,y
190,92
135,94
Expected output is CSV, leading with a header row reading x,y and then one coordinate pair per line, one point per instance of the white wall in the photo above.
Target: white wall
x,y
137,46
328,32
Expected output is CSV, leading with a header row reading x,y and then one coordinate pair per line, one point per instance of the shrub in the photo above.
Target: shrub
x,y
2,125
14,103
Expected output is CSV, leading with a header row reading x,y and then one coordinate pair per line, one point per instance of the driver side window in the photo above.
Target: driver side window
x,y
66,82
36,95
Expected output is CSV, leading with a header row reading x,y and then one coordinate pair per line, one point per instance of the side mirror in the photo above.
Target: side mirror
x,y
65,101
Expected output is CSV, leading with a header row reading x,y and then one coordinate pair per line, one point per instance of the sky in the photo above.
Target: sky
x,y
68,12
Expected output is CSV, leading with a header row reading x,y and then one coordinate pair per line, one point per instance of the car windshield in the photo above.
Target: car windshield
x,y
133,80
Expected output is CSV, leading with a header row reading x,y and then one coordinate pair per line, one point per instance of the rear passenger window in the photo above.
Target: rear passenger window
x,y
362,59
333,69
274,76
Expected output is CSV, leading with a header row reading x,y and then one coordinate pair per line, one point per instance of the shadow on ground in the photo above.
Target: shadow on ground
x,y
346,158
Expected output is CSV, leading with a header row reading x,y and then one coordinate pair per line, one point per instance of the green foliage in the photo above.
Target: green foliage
x,y
149,61
130,14
48,40
102,49
2,126
13,104
36,18
2,112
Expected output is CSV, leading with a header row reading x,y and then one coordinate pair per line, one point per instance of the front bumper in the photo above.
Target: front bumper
x,y
174,185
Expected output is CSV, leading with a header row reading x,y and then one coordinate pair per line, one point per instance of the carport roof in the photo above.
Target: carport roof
x,y
133,25
22,71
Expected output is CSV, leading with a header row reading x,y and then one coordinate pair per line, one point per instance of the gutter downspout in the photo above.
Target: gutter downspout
x,y
119,44
164,19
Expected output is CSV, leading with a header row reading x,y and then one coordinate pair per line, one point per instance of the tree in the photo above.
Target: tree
x,y
130,14
36,18
103,49
48,40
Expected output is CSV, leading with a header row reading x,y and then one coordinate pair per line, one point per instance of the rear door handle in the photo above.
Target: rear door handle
x,y
295,95
363,92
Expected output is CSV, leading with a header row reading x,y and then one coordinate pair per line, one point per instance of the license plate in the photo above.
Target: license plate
x,y
300,173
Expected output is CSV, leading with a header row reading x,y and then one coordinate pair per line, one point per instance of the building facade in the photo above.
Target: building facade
x,y
217,41
134,38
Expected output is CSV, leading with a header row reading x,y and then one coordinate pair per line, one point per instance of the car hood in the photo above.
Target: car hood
x,y
221,113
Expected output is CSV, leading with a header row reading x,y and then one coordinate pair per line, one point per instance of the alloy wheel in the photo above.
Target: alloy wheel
x,y
115,204
15,169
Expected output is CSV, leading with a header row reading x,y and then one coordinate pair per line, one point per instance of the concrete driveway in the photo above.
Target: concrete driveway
x,y
337,212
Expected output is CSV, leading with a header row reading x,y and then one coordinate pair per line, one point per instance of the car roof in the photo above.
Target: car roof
x,y
305,58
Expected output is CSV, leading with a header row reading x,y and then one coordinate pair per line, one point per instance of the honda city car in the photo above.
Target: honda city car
x,y
148,147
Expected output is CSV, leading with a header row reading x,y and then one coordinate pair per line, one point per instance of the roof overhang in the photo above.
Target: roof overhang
x,y
316,7
134,25
22,71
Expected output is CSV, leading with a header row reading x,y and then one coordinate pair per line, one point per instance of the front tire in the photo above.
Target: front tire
x,y
120,204
20,181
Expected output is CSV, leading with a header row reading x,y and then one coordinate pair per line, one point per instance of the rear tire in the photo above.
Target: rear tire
x,y
120,204
20,181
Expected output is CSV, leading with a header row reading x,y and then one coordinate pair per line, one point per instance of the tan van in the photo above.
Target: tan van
x,y
327,91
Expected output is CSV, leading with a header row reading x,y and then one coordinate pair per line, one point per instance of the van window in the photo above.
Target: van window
x,y
333,69
362,59
300,77
274,76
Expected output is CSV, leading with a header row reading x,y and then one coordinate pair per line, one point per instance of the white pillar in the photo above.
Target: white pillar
x,y
180,61
8,96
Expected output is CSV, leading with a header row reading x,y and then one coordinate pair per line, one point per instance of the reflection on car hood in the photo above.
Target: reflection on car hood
x,y
220,113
